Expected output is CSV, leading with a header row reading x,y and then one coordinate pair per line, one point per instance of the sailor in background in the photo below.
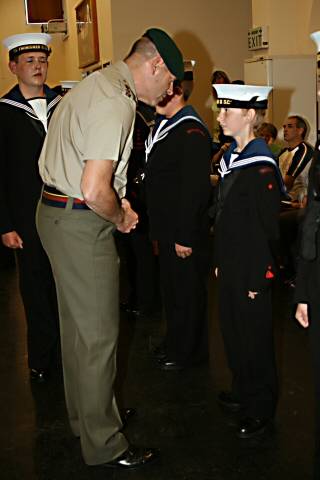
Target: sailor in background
x,y
245,245
24,115
178,192
307,289
142,265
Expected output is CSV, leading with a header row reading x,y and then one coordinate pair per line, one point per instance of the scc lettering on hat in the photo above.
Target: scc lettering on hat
x,y
241,96
168,51
27,42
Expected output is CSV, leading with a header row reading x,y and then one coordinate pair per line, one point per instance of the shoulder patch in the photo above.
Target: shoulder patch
x,y
265,170
126,90
195,130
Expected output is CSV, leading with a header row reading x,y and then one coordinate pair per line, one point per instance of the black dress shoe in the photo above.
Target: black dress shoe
x,y
159,352
130,308
253,427
169,365
134,457
229,402
39,375
126,414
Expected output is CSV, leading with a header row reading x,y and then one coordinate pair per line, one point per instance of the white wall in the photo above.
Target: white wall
x,y
213,32
210,31
63,62
289,25
293,55
13,21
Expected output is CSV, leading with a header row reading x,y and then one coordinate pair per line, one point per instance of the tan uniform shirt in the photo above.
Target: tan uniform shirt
x,y
94,121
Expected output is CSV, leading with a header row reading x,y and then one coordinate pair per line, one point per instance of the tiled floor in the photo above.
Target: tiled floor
x,y
176,412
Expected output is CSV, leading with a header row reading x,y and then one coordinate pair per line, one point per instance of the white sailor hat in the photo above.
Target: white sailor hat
x,y
315,36
241,96
27,42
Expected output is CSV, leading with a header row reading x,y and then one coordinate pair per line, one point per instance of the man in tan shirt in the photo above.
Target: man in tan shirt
x,y
83,165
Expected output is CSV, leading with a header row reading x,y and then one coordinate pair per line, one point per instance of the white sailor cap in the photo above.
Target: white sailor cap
x,y
68,84
315,36
241,96
27,42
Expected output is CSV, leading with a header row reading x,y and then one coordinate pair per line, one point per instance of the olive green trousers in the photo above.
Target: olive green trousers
x,y
85,264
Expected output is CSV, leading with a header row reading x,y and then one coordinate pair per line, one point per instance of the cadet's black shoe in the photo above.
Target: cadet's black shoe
x,y
39,375
134,457
253,427
130,308
159,352
169,365
229,402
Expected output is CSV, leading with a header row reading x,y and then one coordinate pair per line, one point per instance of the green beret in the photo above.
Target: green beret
x,y
168,50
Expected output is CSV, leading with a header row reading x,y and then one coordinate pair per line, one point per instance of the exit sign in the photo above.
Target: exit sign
x,y
258,38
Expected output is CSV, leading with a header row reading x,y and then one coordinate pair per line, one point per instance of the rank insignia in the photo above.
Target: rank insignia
x,y
128,92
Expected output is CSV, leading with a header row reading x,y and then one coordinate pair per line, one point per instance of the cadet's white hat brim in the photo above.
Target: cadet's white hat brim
x,y
241,96
26,42
21,39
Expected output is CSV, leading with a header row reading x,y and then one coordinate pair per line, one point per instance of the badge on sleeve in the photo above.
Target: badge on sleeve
x,y
269,273
128,92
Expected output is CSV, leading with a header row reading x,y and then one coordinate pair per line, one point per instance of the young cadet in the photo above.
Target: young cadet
x,y
83,164
245,245
308,287
24,115
178,192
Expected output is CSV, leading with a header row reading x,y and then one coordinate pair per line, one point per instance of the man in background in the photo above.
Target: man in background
x,y
294,160
294,164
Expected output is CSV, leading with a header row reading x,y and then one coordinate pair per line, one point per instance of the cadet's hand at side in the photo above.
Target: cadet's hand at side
x,y
129,219
302,314
183,252
12,240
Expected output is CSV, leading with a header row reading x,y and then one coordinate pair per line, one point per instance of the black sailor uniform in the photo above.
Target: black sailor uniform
x,y
308,285
178,192
245,246
21,138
